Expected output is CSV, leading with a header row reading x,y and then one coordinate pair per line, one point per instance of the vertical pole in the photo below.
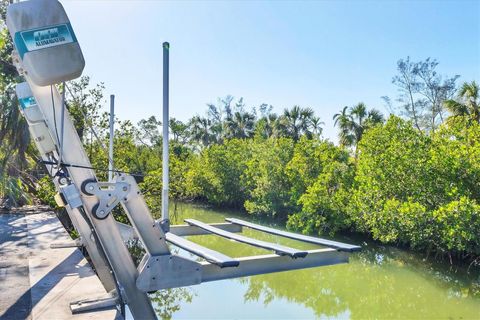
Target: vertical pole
x,y
165,173
62,124
110,149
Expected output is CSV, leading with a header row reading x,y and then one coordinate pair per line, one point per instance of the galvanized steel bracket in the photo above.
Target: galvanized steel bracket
x,y
109,195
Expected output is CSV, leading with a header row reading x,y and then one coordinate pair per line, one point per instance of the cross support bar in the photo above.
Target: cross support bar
x,y
164,272
255,265
128,233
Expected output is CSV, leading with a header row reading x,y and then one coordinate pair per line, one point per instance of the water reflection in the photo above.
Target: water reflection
x,y
389,287
379,282
167,302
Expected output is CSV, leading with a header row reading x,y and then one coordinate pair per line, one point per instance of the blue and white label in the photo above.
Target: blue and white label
x,y
27,102
42,38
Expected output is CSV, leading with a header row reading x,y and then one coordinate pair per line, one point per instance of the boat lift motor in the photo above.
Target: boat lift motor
x,y
47,53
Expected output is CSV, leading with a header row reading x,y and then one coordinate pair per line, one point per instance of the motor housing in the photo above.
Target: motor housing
x,y
45,41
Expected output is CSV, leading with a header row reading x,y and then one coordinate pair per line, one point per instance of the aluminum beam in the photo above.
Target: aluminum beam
x,y
148,230
323,242
188,230
181,230
211,256
250,266
94,249
108,234
279,249
186,272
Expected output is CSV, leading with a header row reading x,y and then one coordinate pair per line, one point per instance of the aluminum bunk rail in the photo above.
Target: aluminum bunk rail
x,y
211,256
300,237
279,249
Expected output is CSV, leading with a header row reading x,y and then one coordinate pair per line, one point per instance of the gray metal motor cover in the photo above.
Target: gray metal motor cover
x,y
45,41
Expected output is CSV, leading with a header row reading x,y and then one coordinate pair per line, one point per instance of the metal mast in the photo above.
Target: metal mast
x,y
112,132
165,172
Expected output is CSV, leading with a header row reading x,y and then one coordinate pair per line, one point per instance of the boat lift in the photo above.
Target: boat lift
x,y
47,53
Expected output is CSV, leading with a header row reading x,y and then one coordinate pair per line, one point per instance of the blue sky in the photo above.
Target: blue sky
x,y
323,55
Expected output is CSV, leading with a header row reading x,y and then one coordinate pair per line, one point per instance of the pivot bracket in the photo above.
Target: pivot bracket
x,y
109,195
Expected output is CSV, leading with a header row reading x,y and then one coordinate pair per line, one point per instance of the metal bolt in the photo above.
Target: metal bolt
x,y
91,188
102,212
124,188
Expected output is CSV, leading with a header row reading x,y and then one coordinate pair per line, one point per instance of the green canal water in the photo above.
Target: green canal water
x,y
381,282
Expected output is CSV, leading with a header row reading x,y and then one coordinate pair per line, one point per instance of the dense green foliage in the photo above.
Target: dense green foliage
x,y
323,176
266,179
46,191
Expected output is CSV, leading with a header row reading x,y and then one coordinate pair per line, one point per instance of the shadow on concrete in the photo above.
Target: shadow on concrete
x,y
14,261
14,277
44,285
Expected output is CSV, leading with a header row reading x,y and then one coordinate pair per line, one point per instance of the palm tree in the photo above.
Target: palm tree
x,y
266,125
345,122
316,126
240,125
468,102
363,119
296,121
354,122
200,130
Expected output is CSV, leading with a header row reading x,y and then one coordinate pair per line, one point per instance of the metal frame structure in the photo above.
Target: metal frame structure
x,y
89,203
